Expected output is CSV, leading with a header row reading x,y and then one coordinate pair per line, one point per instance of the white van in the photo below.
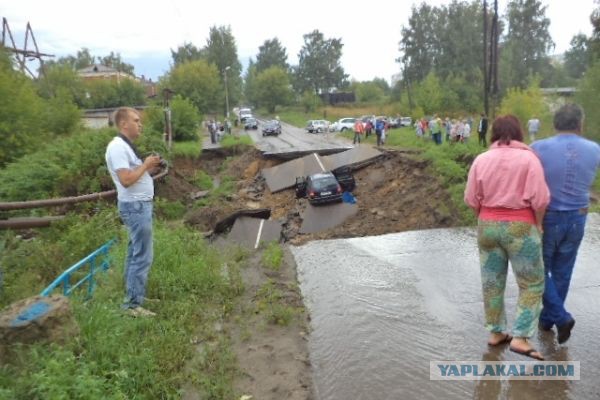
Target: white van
x,y
245,113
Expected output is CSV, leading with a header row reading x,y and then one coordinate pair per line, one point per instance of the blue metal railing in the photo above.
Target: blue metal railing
x,y
98,260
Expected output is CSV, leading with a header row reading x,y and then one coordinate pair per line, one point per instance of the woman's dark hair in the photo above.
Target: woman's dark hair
x,y
505,129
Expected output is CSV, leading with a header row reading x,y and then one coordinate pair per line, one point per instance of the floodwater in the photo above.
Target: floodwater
x,y
383,307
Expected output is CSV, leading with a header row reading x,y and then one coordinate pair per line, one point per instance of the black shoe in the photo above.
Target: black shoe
x,y
564,331
545,328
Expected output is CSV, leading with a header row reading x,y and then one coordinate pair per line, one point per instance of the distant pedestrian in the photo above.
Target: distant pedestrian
x,y
379,129
358,131
533,126
482,130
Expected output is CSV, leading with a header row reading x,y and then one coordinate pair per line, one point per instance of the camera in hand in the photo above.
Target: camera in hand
x,y
162,163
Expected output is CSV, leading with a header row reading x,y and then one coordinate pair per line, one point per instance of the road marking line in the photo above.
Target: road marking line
x,y
262,222
319,161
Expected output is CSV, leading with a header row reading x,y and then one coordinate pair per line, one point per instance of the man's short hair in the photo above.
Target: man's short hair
x,y
122,114
568,118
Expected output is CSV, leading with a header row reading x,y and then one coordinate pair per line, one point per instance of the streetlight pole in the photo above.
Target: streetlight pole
x,y
226,92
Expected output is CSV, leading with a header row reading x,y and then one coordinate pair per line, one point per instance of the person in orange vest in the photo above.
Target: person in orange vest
x,y
359,128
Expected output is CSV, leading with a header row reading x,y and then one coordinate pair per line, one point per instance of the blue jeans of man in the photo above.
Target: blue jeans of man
x,y
137,217
563,232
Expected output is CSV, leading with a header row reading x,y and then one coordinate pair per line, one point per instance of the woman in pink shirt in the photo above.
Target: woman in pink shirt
x,y
507,191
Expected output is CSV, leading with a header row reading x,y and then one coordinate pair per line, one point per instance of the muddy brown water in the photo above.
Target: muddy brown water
x,y
383,307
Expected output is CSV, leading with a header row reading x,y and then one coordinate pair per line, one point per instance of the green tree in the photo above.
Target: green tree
x,y
199,82
319,67
368,92
82,59
418,43
61,77
221,51
577,58
429,95
594,41
114,61
21,113
250,91
273,88
131,93
101,94
271,54
186,53
61,115
587,96
526,45
524,103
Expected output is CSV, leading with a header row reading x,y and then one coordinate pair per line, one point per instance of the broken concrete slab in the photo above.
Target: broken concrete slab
x,y
320,218
223,225
251,232
283,176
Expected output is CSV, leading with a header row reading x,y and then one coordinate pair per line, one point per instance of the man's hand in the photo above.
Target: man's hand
x,y
128,177
151,162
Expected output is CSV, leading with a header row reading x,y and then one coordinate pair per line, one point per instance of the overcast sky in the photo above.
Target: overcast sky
x,y
143,32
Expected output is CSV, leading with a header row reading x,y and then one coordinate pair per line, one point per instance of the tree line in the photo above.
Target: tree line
x,y
439,59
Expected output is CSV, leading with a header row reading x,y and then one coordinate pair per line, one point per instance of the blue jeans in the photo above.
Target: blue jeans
x,y
563,232
137,216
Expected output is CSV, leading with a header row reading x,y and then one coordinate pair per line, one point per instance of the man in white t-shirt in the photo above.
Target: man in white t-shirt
x,y
135,191
533,126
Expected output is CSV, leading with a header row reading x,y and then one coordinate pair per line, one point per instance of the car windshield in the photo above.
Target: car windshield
x,y
272,125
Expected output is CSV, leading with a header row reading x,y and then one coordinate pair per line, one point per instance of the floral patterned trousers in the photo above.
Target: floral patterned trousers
x,y
518,242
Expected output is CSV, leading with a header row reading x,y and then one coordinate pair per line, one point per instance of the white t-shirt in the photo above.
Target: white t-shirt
x,y
119,155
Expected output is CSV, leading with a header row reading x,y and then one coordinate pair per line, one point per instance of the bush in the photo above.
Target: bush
x,y
185,119
524,104
68,166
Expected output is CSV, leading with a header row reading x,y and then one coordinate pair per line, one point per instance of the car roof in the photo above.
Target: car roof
x,y
322,175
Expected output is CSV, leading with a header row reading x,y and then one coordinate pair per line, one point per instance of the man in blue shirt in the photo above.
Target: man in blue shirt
x,y
570,164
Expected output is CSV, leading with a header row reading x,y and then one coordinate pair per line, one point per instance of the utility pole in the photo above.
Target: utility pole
x,y
169,131
490,59
23,55
226,92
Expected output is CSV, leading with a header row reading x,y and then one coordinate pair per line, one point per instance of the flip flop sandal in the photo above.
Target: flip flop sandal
x,y
528,353
506,339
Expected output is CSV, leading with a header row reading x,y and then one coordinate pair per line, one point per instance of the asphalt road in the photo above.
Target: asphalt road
x,y
296,140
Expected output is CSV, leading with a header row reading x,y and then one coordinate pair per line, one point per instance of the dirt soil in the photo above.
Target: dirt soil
x,y
394,194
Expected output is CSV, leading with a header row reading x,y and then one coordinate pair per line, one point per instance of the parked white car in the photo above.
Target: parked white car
x,y
344,124
317,126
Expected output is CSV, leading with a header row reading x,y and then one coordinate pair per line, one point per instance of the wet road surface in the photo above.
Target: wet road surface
x,y
383,307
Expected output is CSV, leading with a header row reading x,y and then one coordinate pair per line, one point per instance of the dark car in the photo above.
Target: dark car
x,y
271,128
250,123
319,188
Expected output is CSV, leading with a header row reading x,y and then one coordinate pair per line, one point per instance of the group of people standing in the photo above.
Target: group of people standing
x,y
531,203
366,127
456,130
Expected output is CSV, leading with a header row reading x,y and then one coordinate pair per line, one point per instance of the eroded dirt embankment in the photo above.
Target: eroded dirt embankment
x,y
394,194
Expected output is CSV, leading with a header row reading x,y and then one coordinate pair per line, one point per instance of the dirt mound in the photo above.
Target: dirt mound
x,y
395,193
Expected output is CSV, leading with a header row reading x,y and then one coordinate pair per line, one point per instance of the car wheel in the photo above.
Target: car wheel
x,y
319,130
342,130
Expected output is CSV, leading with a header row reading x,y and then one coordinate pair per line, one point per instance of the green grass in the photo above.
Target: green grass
x,y
115,356
271,303
202,180
232,141
190,148
272,256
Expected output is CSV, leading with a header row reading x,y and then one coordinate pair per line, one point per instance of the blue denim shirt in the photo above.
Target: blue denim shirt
x,y
570,164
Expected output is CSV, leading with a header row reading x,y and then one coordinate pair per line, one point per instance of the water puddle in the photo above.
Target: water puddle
x,y
383,307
